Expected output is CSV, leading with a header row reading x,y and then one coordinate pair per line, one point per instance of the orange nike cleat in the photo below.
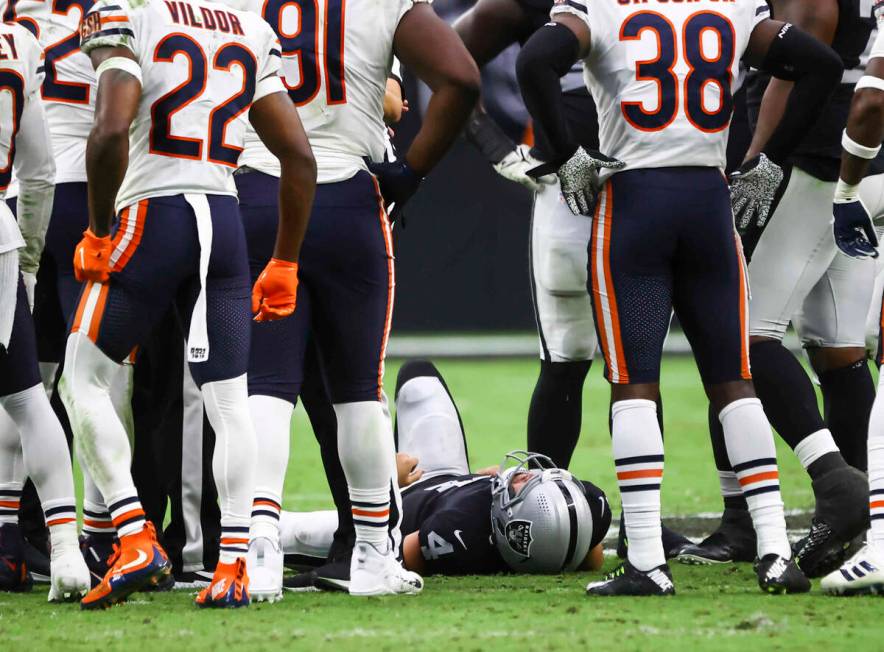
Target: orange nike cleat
x,y
138,561
229,587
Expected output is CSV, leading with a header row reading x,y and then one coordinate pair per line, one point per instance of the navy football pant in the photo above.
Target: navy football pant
x,y
18,363
664,239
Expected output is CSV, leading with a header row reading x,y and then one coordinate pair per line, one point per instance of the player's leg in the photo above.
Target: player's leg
x,y
563,311
349,250
864,572
276,364
154,249
219,366
630,285
307,536
711,300
428,425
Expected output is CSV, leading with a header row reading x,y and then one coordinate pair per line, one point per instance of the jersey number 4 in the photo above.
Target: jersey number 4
x,y
304,44
703,70
162,141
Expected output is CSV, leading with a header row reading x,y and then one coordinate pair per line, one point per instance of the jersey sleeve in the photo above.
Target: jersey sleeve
x,y
109,24
762,12
579,8
453,544
270,70
601,513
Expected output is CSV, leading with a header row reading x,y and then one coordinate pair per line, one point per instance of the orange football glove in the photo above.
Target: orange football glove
x,y
92,258
275,291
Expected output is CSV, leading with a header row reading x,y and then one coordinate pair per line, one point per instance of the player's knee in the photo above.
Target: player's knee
x,y
86,376
723,394
825,359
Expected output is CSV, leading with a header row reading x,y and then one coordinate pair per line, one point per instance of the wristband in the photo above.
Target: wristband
x,y
861,151
845,192
120,63
870,81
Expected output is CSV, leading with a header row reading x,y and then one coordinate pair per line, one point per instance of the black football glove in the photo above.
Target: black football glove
x,y
579,178
753,188
854,231
398,182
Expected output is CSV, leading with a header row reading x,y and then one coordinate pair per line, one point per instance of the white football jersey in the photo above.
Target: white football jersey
x,y
337,81
203,65
69,87
22,124
663,74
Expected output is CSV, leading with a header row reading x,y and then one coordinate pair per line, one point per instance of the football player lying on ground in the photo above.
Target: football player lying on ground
x,y
456,522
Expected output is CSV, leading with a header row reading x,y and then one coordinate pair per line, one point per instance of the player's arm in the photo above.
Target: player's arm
x,y
819,18
35,171
412,557
393,102
276,122
429,48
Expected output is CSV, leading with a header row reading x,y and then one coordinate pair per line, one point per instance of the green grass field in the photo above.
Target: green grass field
x,y
716,608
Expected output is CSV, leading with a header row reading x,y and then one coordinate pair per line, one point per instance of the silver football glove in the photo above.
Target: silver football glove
x,y
579,179
753,188
515,165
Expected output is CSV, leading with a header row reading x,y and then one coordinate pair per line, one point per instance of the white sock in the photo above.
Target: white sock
x,y
227,405
814,446
44,447
126,512
102,442
638,457
8,294
750,448
309,534
368,457
729,484
12,469
61,519
272,418
876,468
10,501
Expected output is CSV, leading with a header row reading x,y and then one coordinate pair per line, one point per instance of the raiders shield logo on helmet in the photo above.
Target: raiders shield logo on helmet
x,y
518,536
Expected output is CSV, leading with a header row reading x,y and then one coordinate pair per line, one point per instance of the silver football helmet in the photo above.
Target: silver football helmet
x,y
546,525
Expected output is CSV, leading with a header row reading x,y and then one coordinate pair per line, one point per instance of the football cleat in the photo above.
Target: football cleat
x,y
38,563
137,561
733,540
379,573
673,542
626,579
841,514
14,575
264,564
229,587
97,550
300,583
778,575
198,579
69,577
333,576
862,574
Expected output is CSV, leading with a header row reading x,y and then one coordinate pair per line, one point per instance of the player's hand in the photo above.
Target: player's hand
x,y
515,165
579,178
398,182
276,291
406,469
854,231
30,281
753,188
489,471
92,258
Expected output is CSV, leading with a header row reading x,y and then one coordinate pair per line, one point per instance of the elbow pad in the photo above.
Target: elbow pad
x,y
794,54
554,46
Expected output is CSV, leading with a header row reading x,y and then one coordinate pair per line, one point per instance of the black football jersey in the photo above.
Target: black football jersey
x,y
819,154
452,516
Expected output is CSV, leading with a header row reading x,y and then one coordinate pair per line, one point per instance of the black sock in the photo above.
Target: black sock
x,y
722,461
785,391
848,395
826,463
556,410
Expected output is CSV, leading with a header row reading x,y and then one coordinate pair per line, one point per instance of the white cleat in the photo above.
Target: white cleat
x,y
264,565
379,573
862,574
70,579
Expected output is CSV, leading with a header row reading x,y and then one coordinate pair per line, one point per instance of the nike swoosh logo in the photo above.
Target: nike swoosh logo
x,y
604,504
457,536
142,557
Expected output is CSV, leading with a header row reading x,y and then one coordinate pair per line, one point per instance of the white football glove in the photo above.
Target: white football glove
x,y
515,165
579,179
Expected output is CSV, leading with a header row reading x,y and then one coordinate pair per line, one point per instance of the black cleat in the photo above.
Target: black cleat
x,y
778,575
38,563
841,515
300,583
334,576
97,550
673,542
198,579
14,575
733,540
626,579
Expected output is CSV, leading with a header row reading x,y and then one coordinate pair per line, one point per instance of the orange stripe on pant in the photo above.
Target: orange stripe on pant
x,y
128,236
81,307
391,284
745,370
